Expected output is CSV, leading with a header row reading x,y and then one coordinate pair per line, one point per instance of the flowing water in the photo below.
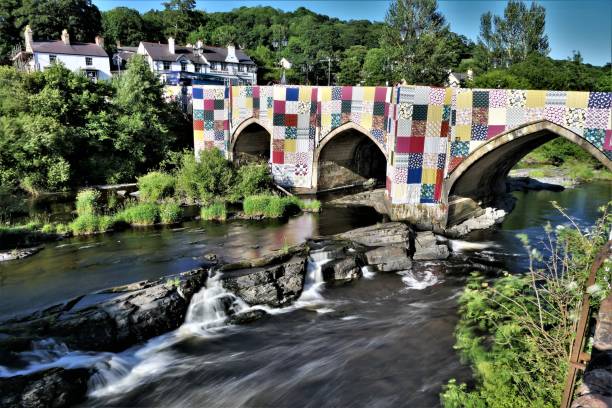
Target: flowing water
x,y
383,341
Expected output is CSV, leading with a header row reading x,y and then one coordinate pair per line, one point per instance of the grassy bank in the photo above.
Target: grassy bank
x,y
516,331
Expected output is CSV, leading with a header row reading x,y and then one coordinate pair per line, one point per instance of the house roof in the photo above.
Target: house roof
x,y
58,47
160,52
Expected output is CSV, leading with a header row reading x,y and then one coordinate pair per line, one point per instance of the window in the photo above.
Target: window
x,y
183,66
166,66
92,74
52,59
88,61
198,68
223,66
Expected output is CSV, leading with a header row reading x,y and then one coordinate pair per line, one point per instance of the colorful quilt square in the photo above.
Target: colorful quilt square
x,y
415,160
419,128
596,137
480,99
495,130
290,132
460,149
380,95
479,132
293,94
198,124
197,93
600,100
535,99
336,93
291,119
278,157
219,104
419,112
414,176
278,119
279,107
379,108
427,193
480,116
346,106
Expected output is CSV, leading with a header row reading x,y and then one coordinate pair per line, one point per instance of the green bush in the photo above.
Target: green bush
x,y
270,206
310,205
10,204
252,179
105,222
62,228
85,224
87,202
48,229
205,179
215,212
139,214
170,212
155,186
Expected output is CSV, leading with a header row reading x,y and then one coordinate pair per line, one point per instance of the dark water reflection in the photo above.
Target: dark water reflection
x,y
80,265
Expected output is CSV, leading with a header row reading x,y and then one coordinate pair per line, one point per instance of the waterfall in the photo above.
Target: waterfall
x,y
313,281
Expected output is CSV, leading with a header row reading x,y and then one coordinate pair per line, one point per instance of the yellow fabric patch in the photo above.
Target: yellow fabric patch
x,y
290,146
325,120
448,96
434,113
198,135
305,93
399,191
428,176
577,99
464,132
366,120
536,99
368,93
497,116
464,99
248,103
325,93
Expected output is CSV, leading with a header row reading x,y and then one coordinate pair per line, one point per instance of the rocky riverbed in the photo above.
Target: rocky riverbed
x,y
115,319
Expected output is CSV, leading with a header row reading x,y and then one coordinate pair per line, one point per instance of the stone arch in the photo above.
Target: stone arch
x,y
350,142
481,176
259,146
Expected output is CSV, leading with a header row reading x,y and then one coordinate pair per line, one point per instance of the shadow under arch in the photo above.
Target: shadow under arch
x,y
258,146
346,155
481,176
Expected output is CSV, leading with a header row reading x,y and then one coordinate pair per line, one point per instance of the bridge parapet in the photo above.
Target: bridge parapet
x,y
425,132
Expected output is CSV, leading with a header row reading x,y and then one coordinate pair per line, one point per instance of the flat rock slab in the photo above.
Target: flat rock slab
x,y
390,233
389,258
426,247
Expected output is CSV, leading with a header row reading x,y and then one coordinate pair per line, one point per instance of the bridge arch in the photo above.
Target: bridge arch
x,y
251,141
481,176
348,154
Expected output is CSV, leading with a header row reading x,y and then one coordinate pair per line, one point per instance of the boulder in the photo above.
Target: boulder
x,y
592,401
389,258
55,387
248,317
342,270
390,233
272,285
113,319
426,247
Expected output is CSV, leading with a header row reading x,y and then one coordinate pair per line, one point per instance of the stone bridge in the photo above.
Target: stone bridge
x,y
441,153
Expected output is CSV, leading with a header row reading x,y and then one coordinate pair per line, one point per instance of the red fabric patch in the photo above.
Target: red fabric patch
x,y
347,93
444,129
439,180
198,125
255,92
454,162
495,130
291,119
608,142
209,104
402,144
380,94
278,157
416,144
279,106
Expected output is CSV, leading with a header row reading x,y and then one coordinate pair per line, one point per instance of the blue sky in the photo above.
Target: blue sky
x,y
583,25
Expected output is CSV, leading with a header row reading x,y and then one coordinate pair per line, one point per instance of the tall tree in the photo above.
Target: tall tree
x,y
425,53
510,38
181,18
123,24
351,65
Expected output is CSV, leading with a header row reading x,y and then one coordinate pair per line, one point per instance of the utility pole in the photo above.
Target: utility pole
x,y
329,61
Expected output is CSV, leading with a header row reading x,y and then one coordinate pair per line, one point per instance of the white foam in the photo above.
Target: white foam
x,y
368,272
419,283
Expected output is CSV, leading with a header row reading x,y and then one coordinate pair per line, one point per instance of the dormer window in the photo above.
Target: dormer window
x,y
223,66
52,59
88,61
183,66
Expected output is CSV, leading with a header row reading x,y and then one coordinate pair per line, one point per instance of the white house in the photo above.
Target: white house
x,y
199,62
89,58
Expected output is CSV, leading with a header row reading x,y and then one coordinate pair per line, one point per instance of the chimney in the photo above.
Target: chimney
x,y
171,45
28,39
100,41
65,37
231,54
199,44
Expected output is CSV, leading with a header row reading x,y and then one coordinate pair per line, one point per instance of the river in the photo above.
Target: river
x,y
383,341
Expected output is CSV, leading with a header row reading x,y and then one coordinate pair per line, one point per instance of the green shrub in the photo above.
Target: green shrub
x,y
10,204
105,222
270,206
155,186
62,228
139,214
252,179
48,229
217,211
205,179
170,212
85,224
87,202
310,205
